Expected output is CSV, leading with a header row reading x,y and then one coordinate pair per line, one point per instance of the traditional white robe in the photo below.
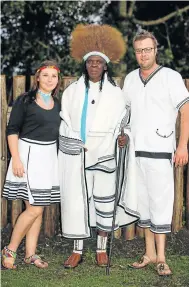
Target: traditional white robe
x,y
155,103
78,215
154,108
39,184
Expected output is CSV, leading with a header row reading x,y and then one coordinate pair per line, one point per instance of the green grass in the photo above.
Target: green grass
x,y
88,274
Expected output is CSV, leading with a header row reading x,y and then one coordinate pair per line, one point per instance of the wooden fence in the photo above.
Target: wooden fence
x,y
51,221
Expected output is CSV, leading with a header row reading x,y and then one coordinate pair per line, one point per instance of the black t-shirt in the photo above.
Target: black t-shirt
x,y
29,120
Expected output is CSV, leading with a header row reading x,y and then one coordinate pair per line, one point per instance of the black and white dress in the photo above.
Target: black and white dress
x,y
38,131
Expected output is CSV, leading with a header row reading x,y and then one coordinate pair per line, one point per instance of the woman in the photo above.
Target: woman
x,y
32,175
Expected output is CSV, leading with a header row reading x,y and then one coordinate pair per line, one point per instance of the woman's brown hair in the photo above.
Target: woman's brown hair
x,y
46,63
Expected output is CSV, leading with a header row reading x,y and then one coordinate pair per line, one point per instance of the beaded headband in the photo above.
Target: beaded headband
x,y
52,67
96,53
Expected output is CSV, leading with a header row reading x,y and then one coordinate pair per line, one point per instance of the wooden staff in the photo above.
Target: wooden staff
x,y
115,206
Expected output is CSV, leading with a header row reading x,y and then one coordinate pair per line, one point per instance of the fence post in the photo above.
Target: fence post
x,y
130,232
3,148
179,187
187,179
19,83
31,81
139,231
187,196
66,81
51,220
178,200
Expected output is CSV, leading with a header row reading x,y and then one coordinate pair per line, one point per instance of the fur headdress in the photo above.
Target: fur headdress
x,y
102,40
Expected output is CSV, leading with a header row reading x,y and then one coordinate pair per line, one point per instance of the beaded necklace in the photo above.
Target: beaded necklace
x,y
45,97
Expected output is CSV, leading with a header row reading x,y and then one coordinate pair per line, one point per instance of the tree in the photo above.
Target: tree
x,y
36,30
168,21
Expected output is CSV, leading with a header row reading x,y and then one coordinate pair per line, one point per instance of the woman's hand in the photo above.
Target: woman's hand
x,y
17,167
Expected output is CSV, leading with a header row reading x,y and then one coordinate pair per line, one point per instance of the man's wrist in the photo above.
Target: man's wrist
x,y
183,145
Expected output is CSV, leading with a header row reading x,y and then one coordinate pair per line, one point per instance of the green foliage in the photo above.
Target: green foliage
x,y
33,31
173,35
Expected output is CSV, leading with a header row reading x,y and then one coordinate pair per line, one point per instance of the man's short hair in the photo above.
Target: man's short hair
x,y
144,34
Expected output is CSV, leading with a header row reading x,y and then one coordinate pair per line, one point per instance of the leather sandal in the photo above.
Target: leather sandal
x,y
73,261
7,253
163,269
36,260
102,259
144,261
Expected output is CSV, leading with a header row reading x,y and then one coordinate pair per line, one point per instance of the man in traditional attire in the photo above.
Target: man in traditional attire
x,y
92,109
155,95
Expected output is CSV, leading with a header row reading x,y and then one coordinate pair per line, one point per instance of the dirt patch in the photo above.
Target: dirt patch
x,y
177,244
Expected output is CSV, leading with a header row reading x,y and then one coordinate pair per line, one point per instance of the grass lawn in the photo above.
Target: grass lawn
x,y
88,274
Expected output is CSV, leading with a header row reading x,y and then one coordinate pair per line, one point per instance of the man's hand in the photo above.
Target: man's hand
x,y
181,156
122,141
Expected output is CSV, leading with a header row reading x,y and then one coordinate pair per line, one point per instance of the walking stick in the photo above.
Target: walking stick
x,y
115,207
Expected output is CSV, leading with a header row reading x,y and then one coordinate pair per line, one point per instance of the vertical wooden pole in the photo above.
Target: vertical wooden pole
x,y
19,83
3,148
187,178
187,196
117,233
179,187
51,220
178,200
31,81
67,81
130,232
139,231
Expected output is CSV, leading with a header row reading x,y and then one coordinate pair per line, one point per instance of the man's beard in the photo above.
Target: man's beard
x,y
147,66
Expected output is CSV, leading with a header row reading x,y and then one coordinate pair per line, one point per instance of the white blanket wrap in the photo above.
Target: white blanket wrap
x,y
101,144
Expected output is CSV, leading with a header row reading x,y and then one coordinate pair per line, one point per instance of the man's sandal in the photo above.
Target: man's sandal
x,y
36,260
7,254
143,262
163,269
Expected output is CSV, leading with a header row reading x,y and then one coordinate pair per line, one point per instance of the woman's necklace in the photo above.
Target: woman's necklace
x,y
45,97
